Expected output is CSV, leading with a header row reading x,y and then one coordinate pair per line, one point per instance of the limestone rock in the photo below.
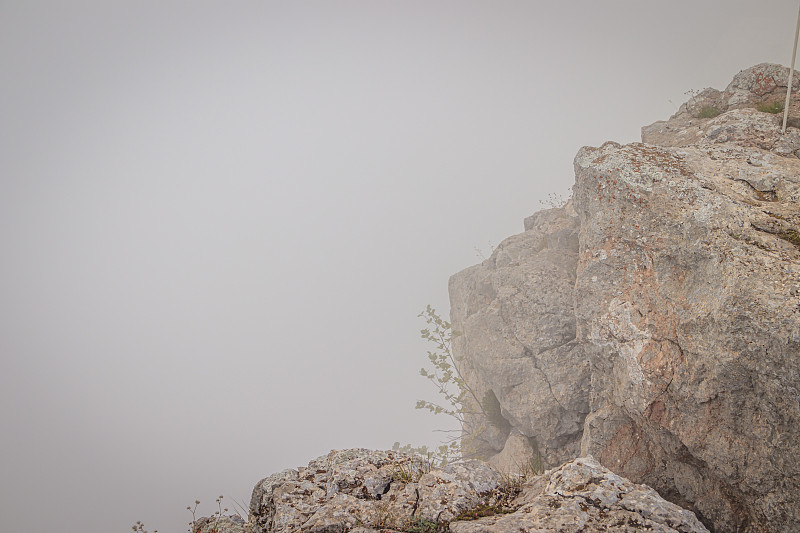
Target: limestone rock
x,y
583,497
761,84
333,494
373,489
516,338
655,319
684,304
225,524
517,456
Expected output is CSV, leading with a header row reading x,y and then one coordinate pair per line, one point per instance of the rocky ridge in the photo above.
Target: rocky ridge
x,y
649,328
365,491
654,320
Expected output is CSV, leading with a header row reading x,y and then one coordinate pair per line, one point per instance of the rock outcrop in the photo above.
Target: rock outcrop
x,y
350,488
515,338
364,491
764,84
582,496
654,321
222,524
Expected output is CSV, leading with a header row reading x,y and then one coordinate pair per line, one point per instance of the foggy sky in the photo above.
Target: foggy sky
x,y
219,220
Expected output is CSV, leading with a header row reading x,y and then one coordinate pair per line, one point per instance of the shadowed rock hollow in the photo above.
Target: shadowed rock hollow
x,y
654,320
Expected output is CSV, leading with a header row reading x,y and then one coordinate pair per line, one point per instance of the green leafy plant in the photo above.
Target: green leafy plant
x,y
411,471
459,399
770,107
421,525
709,112
791,236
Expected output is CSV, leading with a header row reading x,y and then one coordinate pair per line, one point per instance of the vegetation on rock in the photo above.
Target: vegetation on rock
x,y
770,107
709,112
457,395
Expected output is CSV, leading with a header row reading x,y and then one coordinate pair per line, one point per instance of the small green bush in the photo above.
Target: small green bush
x,y
770,107
791,236
421,525
411,472
709,112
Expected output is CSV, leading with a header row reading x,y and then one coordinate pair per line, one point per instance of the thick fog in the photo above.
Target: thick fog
x,y
219,220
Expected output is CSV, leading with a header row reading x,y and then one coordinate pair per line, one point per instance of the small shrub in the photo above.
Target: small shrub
x,y
535,464
484,510
709,111
770,107
421,525
412,471
791,236
460,400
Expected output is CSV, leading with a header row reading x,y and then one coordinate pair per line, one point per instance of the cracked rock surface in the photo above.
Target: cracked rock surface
x,y
582,496
224,524
654,320
516,337
363,491
347,489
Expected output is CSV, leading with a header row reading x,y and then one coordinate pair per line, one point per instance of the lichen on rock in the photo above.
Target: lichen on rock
x,y
464,497
583,497
377,489
654,321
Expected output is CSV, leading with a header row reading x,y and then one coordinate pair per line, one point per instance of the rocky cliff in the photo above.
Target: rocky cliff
x,y
654,320
365,491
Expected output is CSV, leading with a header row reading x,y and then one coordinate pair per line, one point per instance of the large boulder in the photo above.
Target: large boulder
x,y
583,497
687,304
375,489
515,342
363,491
655,319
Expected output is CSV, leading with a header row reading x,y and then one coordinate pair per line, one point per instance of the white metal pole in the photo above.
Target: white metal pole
x,y
791,76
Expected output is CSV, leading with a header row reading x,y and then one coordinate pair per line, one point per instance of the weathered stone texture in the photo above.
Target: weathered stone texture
x,y
374,489
686,310
583,497
364,491
222,524
761,84
515,336
655,319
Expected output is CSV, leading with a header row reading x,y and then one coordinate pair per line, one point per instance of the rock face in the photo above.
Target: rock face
x,y
223,524
515,338
582,496
364,491
654,321
352,488
763,84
